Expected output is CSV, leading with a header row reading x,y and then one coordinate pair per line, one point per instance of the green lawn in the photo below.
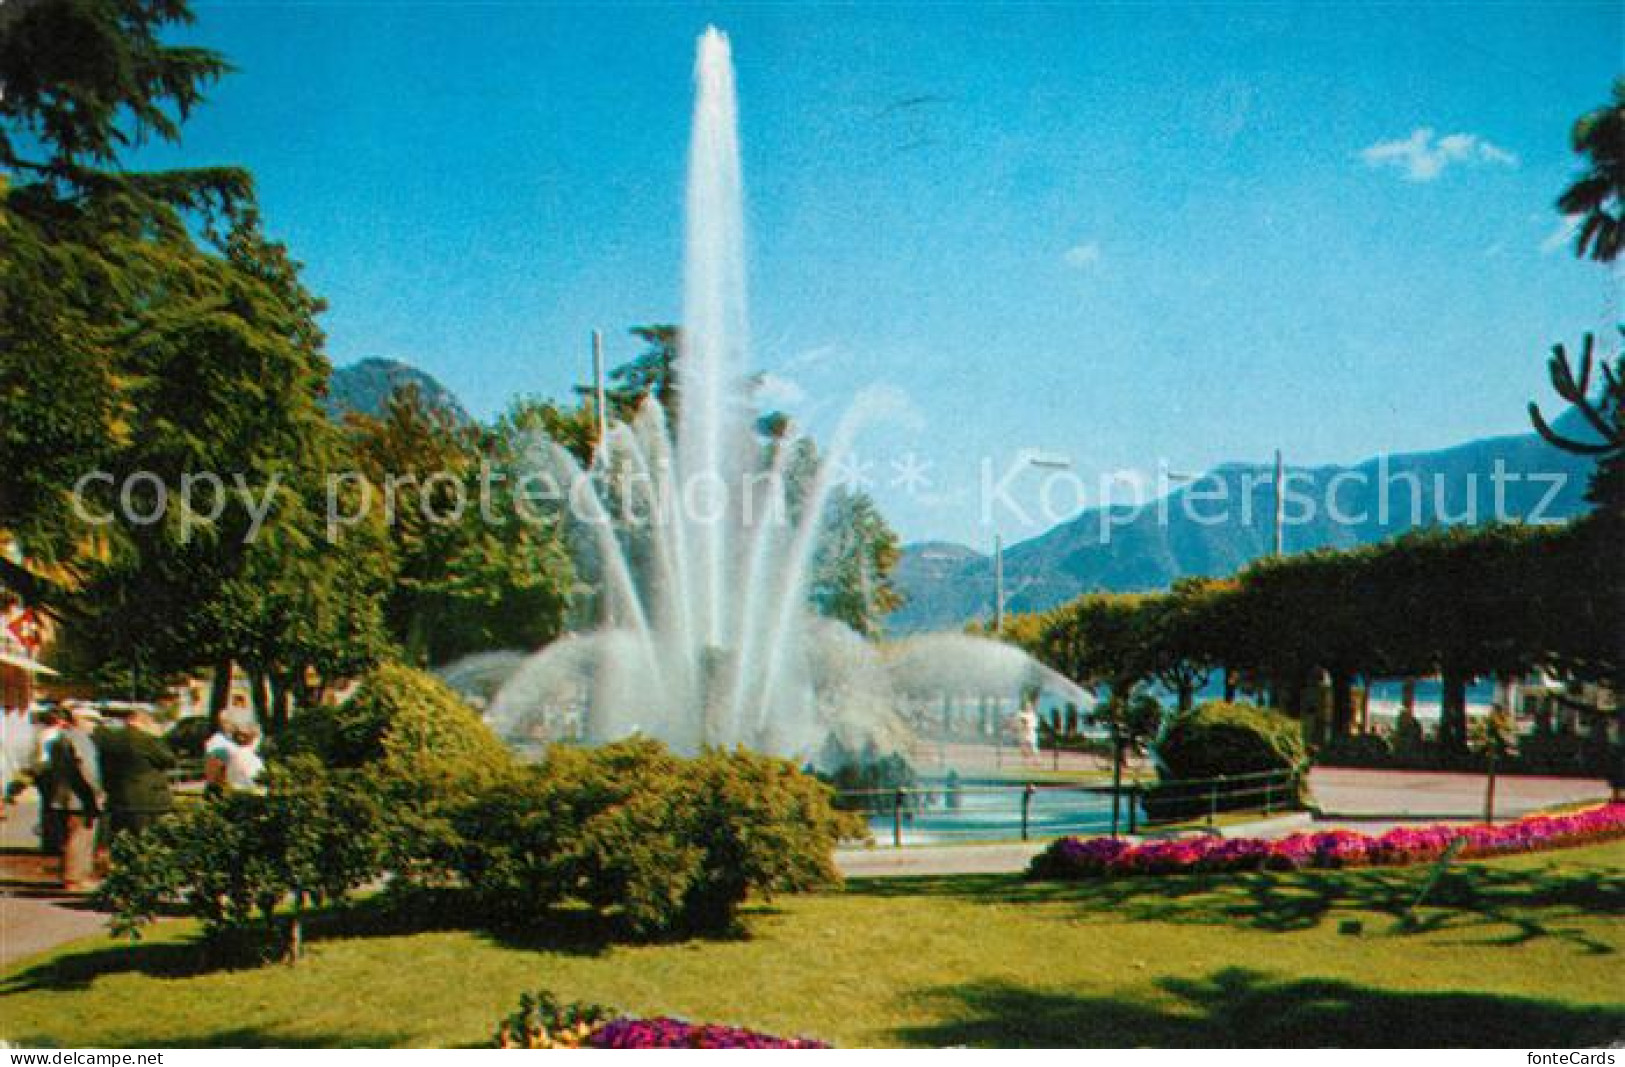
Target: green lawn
x,y
1519,952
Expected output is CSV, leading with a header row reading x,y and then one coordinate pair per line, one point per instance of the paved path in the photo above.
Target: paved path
x,y
1344,792
34,913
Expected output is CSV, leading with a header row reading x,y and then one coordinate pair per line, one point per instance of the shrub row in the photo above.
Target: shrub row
x,y
1071,857
1550,752
405,782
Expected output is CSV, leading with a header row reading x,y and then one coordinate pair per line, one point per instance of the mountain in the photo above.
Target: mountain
x,y
1222,520
364,387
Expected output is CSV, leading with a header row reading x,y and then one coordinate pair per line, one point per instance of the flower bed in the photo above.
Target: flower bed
x,y
1071,857
543,1022
674,1033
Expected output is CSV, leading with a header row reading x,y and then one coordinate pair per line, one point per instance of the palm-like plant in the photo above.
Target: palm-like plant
x,y
1597,197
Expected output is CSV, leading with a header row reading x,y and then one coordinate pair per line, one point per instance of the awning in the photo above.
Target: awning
x,y
23,663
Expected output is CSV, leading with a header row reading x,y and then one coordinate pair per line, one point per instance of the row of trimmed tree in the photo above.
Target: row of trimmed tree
x,y
1460,603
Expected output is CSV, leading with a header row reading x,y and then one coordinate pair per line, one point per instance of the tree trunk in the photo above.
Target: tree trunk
x,y
1229,686
220,688
281,699
1342,720
1453,711
258,685
1117,782
1187,694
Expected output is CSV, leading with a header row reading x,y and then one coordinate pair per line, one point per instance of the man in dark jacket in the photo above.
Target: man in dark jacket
x,y
135,765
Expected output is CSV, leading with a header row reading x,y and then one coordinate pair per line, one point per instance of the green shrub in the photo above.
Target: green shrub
x,y
654,841
1225,739
863,779
420,741
248,865
1356,750
189,735
1409,741
1220,738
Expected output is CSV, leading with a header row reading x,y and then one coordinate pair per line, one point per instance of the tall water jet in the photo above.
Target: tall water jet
x,y
715,332
702,544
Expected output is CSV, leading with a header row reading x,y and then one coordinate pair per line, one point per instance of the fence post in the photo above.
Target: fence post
x,y
1213,801
897,820
1026,807
1133,805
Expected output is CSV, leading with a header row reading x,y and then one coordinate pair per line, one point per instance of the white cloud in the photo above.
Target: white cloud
x,y
1424,155
1083,256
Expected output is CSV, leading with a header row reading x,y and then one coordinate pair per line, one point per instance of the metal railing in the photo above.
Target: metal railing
x,y
949,811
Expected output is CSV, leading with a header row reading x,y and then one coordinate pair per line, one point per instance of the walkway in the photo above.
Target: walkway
x,y
34,914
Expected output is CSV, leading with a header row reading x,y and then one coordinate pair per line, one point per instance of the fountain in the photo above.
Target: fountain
x,y
701,542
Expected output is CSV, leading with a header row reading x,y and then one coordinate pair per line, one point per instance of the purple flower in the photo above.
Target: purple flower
x,y
1071,857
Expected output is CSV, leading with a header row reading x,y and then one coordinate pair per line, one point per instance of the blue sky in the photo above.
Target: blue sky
x,y
1126,234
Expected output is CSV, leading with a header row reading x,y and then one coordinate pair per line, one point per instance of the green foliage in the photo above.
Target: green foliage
x,y
420,742
247,865
88,78
1597,196
852,569
867,778
477,568
660,843
542,1021
1408,737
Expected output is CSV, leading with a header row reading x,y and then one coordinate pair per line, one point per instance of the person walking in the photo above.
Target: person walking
x,y
53,721
135,765
76,788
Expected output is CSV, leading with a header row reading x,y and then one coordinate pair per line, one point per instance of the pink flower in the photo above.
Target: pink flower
x,y
1072,857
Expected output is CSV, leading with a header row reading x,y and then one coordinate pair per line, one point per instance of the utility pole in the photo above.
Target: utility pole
x,y
1280,501
998,586
598,390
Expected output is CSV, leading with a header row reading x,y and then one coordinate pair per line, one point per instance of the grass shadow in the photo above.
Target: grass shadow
x,y
262,1037
1237,1008
1508,905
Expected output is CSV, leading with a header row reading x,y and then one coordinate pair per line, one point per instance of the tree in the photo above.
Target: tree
x,y
1597,197
1176,630
90,248
651,373
149,329
1132,717
477,568
852,572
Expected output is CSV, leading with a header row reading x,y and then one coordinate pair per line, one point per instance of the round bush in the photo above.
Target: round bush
x,y
1229,739
417,737
1219,739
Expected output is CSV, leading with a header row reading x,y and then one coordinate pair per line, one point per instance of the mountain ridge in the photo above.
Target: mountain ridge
x,y
1518,477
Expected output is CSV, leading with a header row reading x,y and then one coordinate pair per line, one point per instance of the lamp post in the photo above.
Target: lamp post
x,y
1280,502
1025,458
598,391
